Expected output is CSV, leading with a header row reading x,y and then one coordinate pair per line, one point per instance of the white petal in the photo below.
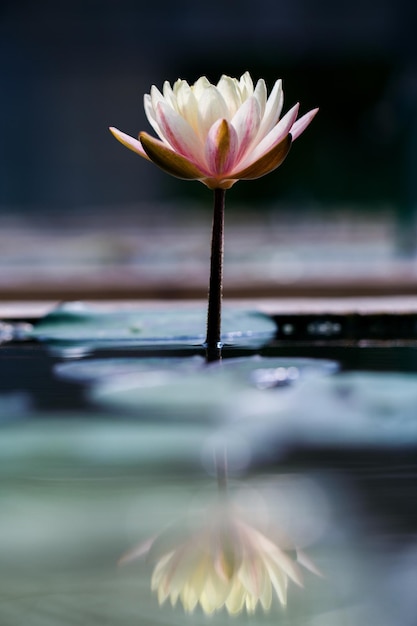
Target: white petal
x,y
200,86
187,106
286,564
301,124
198,575
260,94
182,571
189,599
274,554
156,97
251,603
279,581
246,86
266,596
236,599
208,603
275,136
212,107
150,114
216,586
252,575
160,578
228,87
160,570
177,86
169,94
273,110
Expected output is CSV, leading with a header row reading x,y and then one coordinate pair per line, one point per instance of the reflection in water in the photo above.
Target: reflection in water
x,y
218,559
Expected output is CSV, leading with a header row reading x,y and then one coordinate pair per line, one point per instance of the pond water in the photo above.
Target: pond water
x,y
102,452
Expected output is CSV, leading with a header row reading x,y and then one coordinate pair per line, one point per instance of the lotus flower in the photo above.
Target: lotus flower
x,y
222,563
217,134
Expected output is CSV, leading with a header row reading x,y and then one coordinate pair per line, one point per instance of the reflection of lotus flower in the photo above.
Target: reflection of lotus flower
x,y
226,563
217,134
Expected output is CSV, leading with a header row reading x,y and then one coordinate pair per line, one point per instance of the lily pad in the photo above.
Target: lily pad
x,y
261,372
273,372
204,393
80,324
367,410
371,408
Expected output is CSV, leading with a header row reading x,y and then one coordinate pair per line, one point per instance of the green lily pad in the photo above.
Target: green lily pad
x,y
371,408
206,393
272,372
261,372
367,410
80,324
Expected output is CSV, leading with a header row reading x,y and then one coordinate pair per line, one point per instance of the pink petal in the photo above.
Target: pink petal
x,y
129,142
246,123
221,147
266,163
179,134
274,137
301,124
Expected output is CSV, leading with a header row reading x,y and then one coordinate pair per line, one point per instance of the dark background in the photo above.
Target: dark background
x,y
70,69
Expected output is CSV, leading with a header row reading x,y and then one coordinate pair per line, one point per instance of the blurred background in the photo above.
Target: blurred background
x,y
70,194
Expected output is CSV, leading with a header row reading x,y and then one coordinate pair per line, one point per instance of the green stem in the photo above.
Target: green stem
x,y
214,312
